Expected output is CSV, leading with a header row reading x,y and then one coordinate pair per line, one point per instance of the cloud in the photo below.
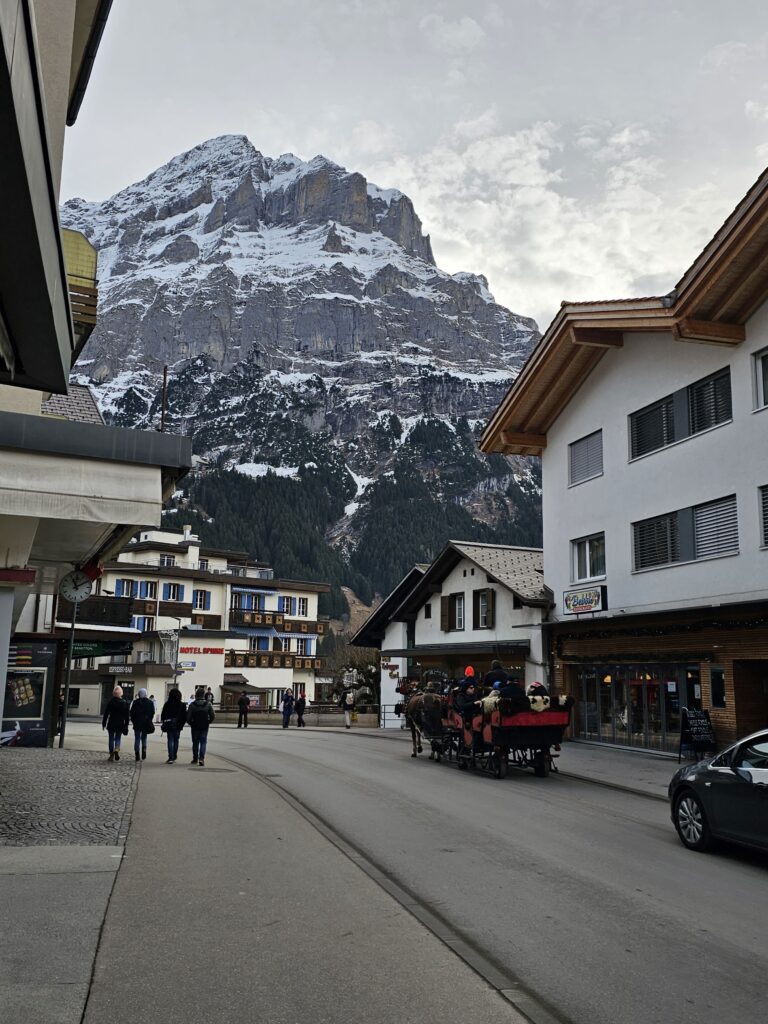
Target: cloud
x,y
756,111
499,202
454,37
733,54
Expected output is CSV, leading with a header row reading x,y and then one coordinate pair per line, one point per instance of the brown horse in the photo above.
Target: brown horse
x,y
424,713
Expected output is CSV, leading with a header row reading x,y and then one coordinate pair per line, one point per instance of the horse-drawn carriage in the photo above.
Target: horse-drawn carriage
x,y
520,732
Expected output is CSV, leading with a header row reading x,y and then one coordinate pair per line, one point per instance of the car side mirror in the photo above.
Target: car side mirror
x,y
744,774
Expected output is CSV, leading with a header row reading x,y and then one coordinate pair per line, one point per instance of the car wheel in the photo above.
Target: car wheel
x,y
691,822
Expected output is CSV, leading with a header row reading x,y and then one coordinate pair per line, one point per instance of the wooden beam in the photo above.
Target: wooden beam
x,y
596,337
709,332
513,440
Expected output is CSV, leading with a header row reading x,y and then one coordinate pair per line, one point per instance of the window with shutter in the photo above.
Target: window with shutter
x,y
716,528
764,515
656,541
478,609
709,402
652,427
445,610
491,608
585,458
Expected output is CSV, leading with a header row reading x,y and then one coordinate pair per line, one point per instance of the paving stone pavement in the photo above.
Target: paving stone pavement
x,y
52,797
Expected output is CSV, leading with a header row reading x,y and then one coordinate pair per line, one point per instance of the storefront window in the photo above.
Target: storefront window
x,y
717,686
635,705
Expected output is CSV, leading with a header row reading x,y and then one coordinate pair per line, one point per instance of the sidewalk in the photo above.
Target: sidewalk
x,y
228,906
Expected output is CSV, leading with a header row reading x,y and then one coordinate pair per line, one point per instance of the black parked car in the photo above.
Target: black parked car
x,y
724,797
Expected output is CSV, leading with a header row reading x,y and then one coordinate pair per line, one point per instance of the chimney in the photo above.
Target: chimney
x,y
187,528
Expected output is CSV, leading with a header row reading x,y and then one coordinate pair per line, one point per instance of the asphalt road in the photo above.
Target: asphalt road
x,y
584,892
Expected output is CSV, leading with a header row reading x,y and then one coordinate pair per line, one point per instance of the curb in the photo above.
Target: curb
x,y
633,790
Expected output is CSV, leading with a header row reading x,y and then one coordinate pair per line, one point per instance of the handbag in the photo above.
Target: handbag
x,y
150,728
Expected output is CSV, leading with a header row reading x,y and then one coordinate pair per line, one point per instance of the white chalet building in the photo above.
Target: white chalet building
x,y
474,604
225,622
651,420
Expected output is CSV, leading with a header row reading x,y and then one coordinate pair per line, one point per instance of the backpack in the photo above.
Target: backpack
x,y
349,699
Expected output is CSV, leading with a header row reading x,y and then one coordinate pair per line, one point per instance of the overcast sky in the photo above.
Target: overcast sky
x,y
567,149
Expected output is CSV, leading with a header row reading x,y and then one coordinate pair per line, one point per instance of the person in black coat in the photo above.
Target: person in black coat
x,y
299,708
243,704
173,718
199,715
142,717
496,675
115,721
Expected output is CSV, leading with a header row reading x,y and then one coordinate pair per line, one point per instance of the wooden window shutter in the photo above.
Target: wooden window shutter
x,y
445,611
476,609
491,608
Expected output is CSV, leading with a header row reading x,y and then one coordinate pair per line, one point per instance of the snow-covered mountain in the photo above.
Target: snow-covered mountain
x,y
305,326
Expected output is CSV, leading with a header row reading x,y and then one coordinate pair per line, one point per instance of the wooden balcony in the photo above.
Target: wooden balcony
x,y
98,611
277,620
271,659
80,261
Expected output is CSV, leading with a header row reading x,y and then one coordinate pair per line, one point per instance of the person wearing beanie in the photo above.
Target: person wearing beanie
x,y
199,717
142,718
115,721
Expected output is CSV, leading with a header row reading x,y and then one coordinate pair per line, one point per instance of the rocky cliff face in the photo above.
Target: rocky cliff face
x,y
304,323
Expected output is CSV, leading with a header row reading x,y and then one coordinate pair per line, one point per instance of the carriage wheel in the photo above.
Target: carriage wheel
x,y
500,768
541,764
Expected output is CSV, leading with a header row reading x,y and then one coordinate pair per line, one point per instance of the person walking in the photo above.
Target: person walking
x,y
142,718
243,705
173,718
115,721
209,695
199,716
347,705
300,705
287,705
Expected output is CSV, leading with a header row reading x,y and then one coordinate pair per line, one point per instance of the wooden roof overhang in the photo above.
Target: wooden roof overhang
x,y
710,304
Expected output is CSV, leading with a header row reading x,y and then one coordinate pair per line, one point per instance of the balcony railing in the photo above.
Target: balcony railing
x,y
80,260
241,617
271,659
98,611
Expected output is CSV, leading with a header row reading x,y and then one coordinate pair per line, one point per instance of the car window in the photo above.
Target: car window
x,y
754,754
724,760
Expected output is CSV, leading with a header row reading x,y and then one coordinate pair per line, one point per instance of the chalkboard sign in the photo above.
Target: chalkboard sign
x,y
696,732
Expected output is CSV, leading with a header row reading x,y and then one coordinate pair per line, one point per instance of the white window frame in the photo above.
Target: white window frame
x,y
761,398
174,591
151,590
575,577
482,610
167,560
301,646
203,564
302,607
199,600
458,613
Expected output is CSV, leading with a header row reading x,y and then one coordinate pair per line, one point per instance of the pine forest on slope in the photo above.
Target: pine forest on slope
x,y
333,378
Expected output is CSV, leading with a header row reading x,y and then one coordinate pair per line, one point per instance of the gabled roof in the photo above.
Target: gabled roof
x,y
519,570
372,631
77,405
710,304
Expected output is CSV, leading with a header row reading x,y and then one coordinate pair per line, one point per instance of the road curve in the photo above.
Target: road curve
x,y
583,891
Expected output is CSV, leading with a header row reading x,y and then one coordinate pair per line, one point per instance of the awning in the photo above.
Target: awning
x,y
461,651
